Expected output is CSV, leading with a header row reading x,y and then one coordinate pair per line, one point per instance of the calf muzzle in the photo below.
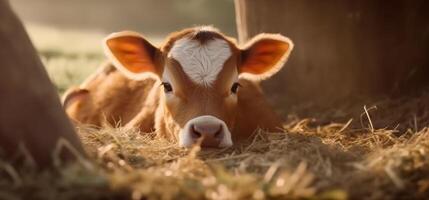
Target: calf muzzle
x,y
212,131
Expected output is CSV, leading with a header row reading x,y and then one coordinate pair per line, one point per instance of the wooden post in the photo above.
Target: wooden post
x,y
30,110
343,48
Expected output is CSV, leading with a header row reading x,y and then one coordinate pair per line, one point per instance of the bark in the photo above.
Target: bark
x,y
30,110
343,48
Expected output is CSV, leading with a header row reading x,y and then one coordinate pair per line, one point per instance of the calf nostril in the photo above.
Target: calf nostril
x,y
219,133
211,132
194,133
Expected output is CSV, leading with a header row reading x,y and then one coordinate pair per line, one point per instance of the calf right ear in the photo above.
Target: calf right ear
x,y
133,55
264,55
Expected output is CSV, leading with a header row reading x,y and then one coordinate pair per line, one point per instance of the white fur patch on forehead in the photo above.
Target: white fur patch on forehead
x,y
201,62
207,28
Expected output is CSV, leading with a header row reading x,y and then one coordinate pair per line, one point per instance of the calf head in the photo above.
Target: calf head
x,y
199,70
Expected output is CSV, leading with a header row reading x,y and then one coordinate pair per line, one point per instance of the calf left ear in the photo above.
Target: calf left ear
x,y
264,55
133,55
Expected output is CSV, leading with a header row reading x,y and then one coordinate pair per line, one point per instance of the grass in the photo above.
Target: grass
x,y
367,149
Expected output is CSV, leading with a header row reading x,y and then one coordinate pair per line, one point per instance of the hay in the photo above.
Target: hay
x,y
381,154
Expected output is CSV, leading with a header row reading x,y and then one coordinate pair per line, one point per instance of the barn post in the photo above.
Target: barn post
x,y
343,48
30,110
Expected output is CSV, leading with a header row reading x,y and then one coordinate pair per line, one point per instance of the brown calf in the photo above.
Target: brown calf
x,y
199,84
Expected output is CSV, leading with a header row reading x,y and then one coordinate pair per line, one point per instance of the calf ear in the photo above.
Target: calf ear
x,y
264,55
133,55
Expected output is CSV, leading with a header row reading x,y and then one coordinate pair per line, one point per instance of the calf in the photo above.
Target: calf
x,y
199,84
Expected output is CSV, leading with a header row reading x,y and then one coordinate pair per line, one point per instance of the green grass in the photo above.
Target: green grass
x,y
69,56
67,69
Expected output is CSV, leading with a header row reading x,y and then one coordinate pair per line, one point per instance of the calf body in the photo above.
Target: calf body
x,y
199,84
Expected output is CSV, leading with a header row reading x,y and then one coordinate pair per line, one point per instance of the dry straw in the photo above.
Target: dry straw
x,y
381,155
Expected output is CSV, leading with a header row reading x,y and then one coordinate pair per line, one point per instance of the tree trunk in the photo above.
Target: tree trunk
x,y
30,110
343,48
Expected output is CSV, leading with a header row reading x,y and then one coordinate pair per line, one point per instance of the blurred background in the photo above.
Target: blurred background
x,y
148,16
151,17
344,50
68,34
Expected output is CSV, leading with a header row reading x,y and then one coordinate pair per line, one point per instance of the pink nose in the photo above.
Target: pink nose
x,y
210,132
207,129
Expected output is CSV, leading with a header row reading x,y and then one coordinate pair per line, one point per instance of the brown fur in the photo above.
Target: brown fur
x,y
134,104
113,98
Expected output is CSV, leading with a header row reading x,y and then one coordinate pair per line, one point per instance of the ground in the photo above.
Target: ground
x,y
362,149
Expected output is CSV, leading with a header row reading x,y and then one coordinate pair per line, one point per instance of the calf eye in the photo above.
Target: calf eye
x,y
235,87
167,87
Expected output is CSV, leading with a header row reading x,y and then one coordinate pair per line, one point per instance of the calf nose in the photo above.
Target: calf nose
x,y
211,133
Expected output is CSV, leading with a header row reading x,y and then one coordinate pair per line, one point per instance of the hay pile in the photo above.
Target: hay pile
x,y
359,152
